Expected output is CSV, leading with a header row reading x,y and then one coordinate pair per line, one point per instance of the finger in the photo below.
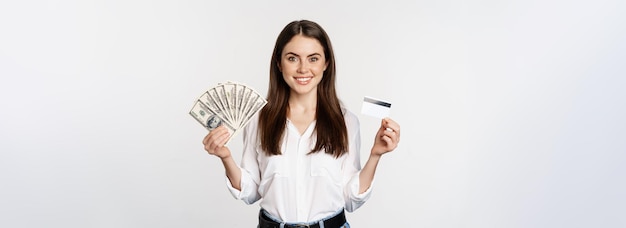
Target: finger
x,y
215,142
222,138
387,140
390,123
213,148
205,139
382,125
209,135
215,133
391,142
392,135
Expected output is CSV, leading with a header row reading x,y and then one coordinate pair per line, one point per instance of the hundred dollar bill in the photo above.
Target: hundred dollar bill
x,y
245,97
239,89
219,102
214,105
227,93
209,119
254,104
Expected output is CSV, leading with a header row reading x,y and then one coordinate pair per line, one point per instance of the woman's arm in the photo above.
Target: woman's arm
x,y
386,140
232,172
214,144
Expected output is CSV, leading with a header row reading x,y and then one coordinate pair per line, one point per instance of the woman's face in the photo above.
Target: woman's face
x,y
302,64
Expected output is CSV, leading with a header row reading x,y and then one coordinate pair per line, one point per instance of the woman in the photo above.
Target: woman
x,y
301,152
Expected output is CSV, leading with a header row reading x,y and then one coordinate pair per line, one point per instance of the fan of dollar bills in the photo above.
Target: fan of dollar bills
x,y
231,104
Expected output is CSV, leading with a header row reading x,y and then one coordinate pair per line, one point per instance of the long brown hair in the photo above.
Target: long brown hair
x,y
330,128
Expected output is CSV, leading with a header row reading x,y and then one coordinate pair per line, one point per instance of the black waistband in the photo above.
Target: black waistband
x,y
335,222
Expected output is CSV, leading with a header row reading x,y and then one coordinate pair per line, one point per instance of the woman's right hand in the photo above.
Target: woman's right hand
x,y
215,141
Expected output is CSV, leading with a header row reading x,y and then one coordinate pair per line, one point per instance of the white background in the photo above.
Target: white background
x,y
512,112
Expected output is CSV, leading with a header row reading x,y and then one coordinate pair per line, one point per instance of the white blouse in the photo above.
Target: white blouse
x,y
297,187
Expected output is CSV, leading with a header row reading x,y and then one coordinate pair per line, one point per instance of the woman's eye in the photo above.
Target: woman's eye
x,y
314,59
291,59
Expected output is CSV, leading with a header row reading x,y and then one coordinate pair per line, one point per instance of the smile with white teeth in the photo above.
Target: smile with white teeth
x,y
303,79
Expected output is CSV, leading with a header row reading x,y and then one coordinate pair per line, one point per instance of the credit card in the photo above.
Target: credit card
x,y
375,107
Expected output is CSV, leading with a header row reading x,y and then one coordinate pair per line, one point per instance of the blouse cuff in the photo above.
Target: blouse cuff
x,y
246,188
233,191
356,186
356,199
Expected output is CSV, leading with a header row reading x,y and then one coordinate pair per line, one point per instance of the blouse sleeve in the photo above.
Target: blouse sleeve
x,y
352,167
250,174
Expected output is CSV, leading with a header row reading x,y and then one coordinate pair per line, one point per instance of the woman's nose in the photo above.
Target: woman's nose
x,y
303,67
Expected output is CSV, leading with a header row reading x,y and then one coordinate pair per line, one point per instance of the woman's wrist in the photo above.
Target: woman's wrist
x,y
376,156
225,158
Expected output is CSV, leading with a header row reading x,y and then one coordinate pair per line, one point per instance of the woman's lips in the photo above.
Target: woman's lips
x,y
303,80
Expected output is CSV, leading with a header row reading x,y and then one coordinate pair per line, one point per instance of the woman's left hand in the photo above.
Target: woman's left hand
x,y
387,137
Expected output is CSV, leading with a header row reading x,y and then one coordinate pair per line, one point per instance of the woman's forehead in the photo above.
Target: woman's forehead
x,y
302,45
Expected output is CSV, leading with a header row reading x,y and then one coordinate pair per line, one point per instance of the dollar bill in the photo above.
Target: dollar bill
x,y
213,105
209,119
219,102
227,93
231,104
255,105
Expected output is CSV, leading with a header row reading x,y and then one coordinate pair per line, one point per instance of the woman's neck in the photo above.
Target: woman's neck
x,y
303,103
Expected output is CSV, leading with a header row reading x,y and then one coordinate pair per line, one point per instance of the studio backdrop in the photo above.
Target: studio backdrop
x,y
512,112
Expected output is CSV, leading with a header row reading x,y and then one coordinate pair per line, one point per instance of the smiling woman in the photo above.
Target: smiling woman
x,y
301,153
303,65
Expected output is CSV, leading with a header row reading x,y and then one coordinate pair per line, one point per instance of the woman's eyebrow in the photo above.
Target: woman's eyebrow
x,y
314,54
291,53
